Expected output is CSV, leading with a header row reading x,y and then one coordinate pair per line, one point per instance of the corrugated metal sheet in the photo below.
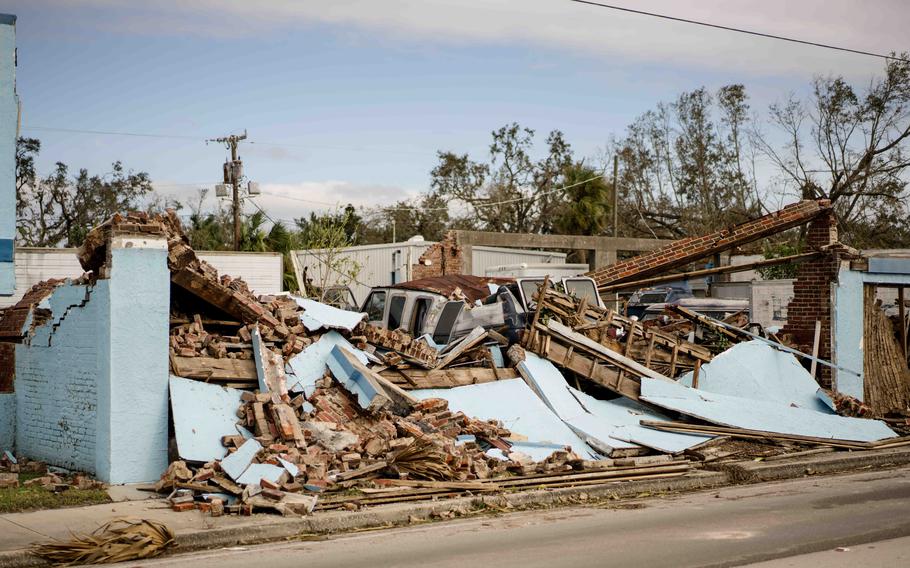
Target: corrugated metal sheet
x,y
387,264
262,271
485,257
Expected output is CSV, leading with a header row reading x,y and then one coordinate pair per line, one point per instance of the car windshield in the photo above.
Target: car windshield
x,y
652,297
582,288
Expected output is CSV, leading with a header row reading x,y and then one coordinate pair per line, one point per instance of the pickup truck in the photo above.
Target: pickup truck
x,y
449,307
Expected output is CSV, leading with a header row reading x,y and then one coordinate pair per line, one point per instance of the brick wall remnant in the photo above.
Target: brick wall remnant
x,y
7,366
444,257
812,293
685,251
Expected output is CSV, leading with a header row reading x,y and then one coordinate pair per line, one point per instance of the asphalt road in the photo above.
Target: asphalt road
x,y
787,521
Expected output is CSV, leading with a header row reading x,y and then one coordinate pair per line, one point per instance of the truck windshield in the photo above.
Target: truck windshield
x,y
375,306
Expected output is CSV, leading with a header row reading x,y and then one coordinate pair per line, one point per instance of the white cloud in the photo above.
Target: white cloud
x,y
288,201
559,24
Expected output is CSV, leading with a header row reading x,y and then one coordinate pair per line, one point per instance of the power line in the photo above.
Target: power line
x,y
202,139
113,133
503,202
738,30
391,209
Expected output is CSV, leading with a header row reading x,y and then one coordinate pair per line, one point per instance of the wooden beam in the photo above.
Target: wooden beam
x,y
446,378
211,369
815,345
709,271
902,318
574,242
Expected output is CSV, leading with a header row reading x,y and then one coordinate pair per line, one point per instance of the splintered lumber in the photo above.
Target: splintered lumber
x,y
886,378
446,378
476,337
571,350
447,485
361,471
211,369
695,317
652,347
587,365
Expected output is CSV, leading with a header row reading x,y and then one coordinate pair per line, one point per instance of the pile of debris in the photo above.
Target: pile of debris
x,y
296,409
55,480
281,403
285,404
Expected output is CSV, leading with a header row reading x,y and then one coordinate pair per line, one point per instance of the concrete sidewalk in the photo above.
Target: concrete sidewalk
x,y
197,531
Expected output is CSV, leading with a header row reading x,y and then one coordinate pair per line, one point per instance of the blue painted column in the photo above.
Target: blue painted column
x,y
133,401
9,123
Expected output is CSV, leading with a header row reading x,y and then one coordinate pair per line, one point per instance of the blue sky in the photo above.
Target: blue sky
x,y
349,100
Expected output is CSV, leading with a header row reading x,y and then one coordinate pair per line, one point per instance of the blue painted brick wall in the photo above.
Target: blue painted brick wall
x,y
57,375
7,421
9,109
92,381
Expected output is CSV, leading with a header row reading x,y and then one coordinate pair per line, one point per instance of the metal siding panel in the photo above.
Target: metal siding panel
x,y
889,265
261,271
484,257
376,265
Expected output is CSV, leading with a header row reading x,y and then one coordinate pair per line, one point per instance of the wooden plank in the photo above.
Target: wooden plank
x,y
446,378
650,352
468,342
605,353
541,297
815,345
360,471
586,365
211,369
469,485
902,318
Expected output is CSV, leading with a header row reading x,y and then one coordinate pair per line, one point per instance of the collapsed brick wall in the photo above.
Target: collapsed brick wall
x,y
12,322
57,380
812,294
688,250
444,257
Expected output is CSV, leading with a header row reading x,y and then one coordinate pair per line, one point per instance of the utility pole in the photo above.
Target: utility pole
x,y
233,172
616,195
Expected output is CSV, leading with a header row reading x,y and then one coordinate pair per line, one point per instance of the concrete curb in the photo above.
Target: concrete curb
x,y
392,515
757,472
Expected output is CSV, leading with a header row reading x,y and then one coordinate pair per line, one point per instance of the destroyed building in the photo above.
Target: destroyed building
x,y
153,363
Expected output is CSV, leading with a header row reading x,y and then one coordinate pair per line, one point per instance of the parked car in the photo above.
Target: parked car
x,y
644,298
712,307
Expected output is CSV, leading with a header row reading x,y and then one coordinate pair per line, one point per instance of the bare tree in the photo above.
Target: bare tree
x,y
850,147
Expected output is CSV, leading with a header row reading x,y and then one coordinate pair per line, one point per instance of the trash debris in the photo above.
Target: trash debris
x,y
287,405
117,541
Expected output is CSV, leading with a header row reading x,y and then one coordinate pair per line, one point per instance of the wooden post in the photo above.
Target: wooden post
x,y
650,351
695,373
902,318
540,295
815,345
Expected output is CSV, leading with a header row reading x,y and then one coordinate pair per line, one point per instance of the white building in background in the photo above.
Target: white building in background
x,y
391,263
262,271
